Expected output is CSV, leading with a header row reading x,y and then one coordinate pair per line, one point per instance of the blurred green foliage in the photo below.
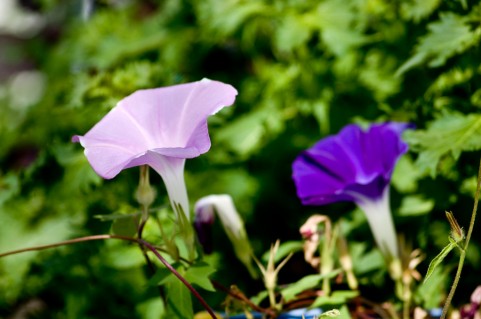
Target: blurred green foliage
x,y
303,70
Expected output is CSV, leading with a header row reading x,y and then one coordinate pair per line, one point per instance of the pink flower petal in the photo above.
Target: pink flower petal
x,y
170,121
160,128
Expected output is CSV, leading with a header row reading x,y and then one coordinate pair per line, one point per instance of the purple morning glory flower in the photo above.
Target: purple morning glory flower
x,y
157,127
355,165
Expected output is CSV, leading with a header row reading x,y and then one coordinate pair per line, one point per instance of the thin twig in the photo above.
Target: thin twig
x,y
135,240
149,262
68,242
179,276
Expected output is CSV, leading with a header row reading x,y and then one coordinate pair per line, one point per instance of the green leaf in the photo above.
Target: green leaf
x,y
439,259
125,226
377,74
336,298
179,299
406,175
110,217
476,98
152,308
284,250
9,187
367,261
292,33
335,21
415,205
418,9
448,36
333,313
345,314
257,299
305,283
162,275
340,41
468,186
428,294
199,274
222,18
121,256
450,79
450,134
244,135
79,175
14,269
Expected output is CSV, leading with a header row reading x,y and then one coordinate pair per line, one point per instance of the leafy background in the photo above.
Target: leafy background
x,y
303,69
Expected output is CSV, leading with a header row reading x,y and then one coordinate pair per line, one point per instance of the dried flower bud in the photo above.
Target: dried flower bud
x,y
457,233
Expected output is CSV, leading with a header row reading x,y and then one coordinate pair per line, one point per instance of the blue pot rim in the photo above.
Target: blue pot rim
x,y
301,313
310,314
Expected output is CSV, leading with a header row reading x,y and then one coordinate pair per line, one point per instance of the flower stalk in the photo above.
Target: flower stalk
x,y
322,240
145,195
327,262
463,248
346,262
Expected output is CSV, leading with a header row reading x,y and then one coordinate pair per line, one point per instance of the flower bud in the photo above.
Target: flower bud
x,y
457,233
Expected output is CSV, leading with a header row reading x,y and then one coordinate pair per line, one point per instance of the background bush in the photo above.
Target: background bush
x,y
303,69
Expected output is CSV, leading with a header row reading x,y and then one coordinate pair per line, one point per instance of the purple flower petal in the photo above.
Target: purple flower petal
x,y
355,165
353,162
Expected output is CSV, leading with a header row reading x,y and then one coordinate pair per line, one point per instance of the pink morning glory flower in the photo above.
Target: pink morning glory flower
x,y
157,127
355,165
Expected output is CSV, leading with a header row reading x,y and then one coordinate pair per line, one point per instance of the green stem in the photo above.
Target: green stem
x,y
272,298
144,195
475,209
406,307
462,256
455,284
326,256
135,240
